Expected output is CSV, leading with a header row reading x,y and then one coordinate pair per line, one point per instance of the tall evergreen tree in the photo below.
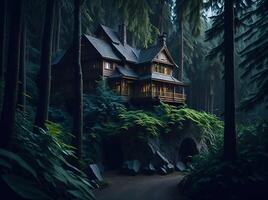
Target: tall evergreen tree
x,y
22,75
44,76
255,53
78,105
7,121
229,97
187,11
2,37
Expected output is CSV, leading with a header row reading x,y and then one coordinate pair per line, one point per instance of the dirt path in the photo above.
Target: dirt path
x,y
141,187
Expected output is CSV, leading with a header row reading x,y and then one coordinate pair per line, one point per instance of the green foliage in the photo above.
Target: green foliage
x,y
140,123
101,110
255,53
247,177
106,116
210,126
40,168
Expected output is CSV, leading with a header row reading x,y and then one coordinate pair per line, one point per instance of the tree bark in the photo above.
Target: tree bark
x,y
181,53
44,76
22,76
78,105
2,37
229,106
58,28
7,122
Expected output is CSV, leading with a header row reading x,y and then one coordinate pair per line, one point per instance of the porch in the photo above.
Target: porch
x,y
169,97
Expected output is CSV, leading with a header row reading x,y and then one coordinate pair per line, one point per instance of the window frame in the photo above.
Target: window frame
x,y
108,65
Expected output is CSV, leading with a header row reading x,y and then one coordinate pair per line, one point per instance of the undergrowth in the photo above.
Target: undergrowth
x,y
38,166
246,178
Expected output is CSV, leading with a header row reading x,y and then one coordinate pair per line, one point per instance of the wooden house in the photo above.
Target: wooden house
x,y
135,74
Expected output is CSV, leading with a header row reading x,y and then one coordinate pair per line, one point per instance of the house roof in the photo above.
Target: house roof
x,y
111,33
127,52
147,55
113,49
123,72
132,54
103,48
161,77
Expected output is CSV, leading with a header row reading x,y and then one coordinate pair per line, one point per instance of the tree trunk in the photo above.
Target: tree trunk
x,y
229,109
7,122
22,76
58,28
160,17
2,37
44,76
181,53
78,105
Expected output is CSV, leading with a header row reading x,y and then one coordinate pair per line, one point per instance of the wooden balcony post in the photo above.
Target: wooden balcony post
x,y
120,87
174,93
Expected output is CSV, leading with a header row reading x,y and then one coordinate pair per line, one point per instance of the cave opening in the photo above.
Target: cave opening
x,y
188,148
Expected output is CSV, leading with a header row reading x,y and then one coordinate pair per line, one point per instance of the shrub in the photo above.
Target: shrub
x,y
246,178
38,167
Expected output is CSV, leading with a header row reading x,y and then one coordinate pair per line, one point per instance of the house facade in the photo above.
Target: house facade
x,y
135,74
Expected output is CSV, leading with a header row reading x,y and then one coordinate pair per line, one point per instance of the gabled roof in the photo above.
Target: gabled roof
x,y
147,55
103,48
112,34
124,72
127,52
161,77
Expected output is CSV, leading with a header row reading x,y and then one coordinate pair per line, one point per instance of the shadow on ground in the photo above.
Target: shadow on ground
x,y
141,187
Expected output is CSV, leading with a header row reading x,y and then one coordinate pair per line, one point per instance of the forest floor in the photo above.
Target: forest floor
x,y
141,187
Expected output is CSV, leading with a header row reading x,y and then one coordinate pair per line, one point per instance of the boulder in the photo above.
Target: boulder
x,y
160,160
149,169
131,167
180,166
162,170
94,173
169,168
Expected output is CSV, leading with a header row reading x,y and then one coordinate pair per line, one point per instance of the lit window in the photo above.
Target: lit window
x,y
108,65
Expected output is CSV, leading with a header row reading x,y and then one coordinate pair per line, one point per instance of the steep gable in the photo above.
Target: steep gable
x,y
103,48
156,53
164,56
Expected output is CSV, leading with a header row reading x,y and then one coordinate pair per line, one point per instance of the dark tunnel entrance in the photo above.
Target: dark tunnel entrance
x,y
188,149
112,153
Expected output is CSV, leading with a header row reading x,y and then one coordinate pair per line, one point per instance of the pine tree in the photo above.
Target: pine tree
x,y
22,75
44,76
229,104
7,121
2,37
78,105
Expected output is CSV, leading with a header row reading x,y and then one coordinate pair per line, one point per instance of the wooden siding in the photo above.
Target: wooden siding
x,y
108,72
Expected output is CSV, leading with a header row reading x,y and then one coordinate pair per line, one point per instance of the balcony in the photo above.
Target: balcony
x,y
169,97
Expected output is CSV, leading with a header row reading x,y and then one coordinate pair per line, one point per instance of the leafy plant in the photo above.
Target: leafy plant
x,y
40,169
244,179
210,126
140,123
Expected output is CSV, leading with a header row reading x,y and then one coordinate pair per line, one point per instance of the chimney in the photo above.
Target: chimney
x,y
122,29
162,39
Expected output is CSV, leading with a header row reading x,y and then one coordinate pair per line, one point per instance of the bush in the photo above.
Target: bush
x,y
246,178
38,167
142,124
211,128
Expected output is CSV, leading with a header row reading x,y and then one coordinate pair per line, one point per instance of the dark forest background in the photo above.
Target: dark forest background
x,y
218,45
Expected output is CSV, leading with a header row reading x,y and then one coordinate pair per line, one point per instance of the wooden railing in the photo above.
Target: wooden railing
x,y
165,96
